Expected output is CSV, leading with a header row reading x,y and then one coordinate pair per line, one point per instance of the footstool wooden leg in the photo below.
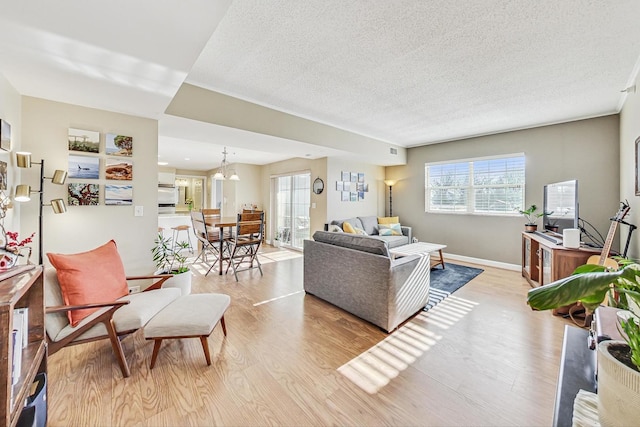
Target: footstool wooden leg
x,y
205,347
441,259
224,326
156,348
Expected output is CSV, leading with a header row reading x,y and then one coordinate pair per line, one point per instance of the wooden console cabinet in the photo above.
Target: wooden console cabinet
x,y
544,262
25,289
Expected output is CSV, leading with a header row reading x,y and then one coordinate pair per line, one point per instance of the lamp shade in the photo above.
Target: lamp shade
x,y
218,175
23,159
23,193
390,182
59,177
58,206
234,177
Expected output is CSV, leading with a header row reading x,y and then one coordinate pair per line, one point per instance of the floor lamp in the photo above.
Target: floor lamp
x,y
390,183
23,192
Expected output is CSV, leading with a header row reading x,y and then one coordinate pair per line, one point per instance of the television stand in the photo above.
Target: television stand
x,y
543,261
550,236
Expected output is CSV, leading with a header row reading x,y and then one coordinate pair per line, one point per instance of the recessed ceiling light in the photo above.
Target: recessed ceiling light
x,y
163,163
186,158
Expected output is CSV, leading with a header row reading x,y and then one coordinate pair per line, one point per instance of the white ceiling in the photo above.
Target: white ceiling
x,y
407,72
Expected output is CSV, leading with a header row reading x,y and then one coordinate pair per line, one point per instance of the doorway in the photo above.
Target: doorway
x,y
191,194
291,201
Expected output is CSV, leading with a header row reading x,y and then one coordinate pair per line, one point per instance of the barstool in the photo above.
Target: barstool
x,y
176,233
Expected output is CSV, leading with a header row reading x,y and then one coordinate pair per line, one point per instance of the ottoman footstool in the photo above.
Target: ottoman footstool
x,y
189,316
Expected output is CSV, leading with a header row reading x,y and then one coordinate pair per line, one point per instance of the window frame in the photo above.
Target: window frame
x,y
470,186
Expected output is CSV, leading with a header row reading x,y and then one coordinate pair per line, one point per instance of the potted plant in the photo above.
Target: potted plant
x,y
169,260
618,361
532,218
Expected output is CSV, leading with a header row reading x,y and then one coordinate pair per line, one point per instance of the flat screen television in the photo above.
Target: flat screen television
x,y
560,206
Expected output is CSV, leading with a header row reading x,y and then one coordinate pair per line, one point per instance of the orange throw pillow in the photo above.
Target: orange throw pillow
x,y
90,277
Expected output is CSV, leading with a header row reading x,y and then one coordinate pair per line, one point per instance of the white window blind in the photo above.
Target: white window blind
x,y
480,186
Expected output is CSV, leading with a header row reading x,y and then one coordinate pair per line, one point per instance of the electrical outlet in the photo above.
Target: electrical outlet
x,y
134,289
138,211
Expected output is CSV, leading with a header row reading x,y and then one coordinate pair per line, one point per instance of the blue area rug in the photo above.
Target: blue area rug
x,y
447,281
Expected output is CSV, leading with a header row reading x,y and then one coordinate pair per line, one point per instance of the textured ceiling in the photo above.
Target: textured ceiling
x,y
409,72
413,72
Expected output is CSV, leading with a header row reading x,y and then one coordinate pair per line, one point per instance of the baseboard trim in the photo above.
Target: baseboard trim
x,y
487,262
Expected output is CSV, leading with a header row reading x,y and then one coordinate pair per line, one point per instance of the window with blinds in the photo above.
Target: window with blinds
x,y
491,186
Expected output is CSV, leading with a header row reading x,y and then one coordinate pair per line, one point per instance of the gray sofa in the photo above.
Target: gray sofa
x,y
356,273
370,226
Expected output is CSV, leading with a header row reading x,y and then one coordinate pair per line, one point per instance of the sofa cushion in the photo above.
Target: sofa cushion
x,y
392,241
390,230
369,224
368,244
388,220
354,222
90,277
335,228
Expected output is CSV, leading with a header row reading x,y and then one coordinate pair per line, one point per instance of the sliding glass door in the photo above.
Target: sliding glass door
x,y
291,199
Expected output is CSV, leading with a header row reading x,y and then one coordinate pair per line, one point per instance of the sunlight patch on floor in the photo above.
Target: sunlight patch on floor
x,y
376,367
276,298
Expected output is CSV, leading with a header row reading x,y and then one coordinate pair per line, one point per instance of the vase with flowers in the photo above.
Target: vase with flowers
x,y
14,248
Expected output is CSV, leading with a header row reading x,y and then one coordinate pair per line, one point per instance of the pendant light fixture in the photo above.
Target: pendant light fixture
x,y
222,173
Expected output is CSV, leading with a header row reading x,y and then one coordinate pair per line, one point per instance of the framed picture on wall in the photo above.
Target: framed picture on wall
x,y
119,169
87,141
5,135
637,166
84,167
3,175
119,145
118,195
346,176
83,194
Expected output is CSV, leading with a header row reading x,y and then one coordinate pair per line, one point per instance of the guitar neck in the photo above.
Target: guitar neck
x,y
608,242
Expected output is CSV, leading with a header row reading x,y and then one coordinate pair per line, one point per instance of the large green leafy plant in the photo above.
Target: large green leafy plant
x,y
167,258
590,284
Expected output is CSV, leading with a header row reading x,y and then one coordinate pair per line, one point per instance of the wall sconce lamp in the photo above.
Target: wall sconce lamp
x,y
390,183
23,192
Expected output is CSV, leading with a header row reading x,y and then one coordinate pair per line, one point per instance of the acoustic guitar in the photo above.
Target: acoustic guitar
x,y
603,258
577,311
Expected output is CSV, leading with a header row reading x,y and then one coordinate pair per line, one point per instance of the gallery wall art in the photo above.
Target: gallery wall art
x,y
119,169
5,135
84,167
118,194
83,194
87,141
352,186
119,145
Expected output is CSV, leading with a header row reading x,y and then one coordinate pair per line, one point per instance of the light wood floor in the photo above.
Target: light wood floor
x,y
483,358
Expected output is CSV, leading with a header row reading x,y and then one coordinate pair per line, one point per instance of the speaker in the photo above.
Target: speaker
x,y
571,238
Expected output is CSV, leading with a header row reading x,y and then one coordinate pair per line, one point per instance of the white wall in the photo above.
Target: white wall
x,y
10,111
375,201
45,127
629,133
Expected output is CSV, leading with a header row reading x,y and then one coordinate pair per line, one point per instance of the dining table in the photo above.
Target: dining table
x,y
221,222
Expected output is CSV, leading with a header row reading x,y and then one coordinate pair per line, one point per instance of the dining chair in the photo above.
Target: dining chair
x,y
245,243
209,238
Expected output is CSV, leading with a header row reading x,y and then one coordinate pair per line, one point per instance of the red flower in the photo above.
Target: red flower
x,y
13,240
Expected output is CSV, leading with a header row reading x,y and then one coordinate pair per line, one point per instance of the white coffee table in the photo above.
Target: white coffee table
x,y
420,248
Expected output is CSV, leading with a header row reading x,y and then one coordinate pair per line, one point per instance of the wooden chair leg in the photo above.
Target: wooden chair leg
x,y
156,348
117,348
205,347
224,326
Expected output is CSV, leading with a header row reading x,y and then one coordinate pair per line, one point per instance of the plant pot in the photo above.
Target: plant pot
x,y
618,389
181,281
530,228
